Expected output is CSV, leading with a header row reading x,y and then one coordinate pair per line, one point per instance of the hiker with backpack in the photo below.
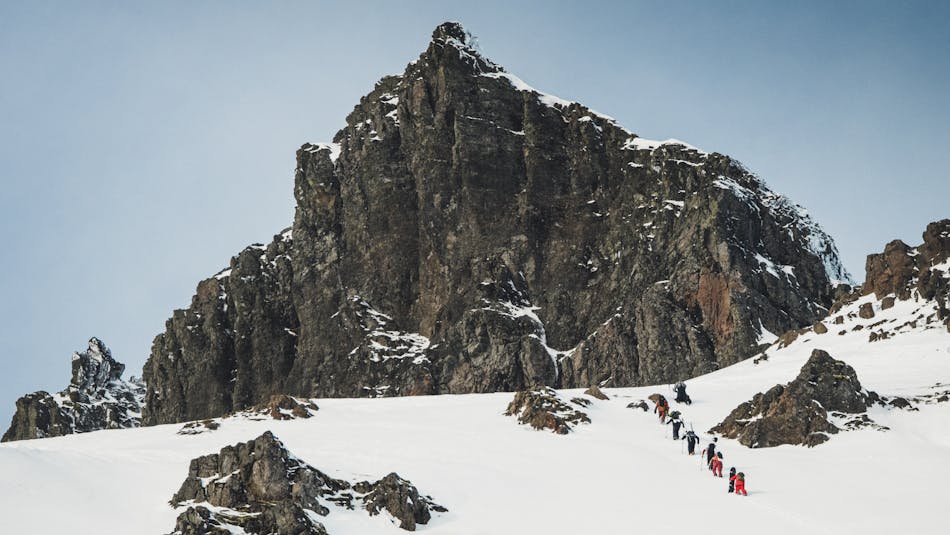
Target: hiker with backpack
x,y
691,439
739,480
716,464
676,422
681,395
662,407
732,479
710,452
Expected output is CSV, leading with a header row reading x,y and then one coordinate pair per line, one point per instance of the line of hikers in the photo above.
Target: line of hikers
x,y
713,458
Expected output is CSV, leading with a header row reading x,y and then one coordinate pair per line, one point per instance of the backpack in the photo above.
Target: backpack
x,y
674,415
740,476
662,402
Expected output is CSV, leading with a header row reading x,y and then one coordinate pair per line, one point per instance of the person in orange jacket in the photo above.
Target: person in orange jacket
x,y
739,480
662,407
716,464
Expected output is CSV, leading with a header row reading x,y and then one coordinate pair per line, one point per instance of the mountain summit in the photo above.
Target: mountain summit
x,y
465,232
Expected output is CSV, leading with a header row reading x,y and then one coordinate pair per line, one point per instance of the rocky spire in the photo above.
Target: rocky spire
x,y
94,368
96,398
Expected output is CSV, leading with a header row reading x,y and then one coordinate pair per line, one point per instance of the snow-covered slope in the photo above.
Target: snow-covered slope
x,y
620,473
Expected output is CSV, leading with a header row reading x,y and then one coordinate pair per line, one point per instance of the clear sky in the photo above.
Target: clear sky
x,y
143,145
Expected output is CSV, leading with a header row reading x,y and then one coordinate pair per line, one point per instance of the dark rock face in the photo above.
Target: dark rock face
x,y
259,487
96,398
465,233
798,413
544,409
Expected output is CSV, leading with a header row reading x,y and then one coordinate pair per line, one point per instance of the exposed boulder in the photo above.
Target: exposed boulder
x,y
197,428
97,398
596,392
284,407
543,408
466,233
399,498
866,311
261,488
641,404
802,411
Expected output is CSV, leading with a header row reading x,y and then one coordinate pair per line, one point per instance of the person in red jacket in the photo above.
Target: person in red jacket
x,y
716,464
739,480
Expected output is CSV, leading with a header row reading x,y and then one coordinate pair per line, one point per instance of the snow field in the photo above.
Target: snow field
x,y
622,473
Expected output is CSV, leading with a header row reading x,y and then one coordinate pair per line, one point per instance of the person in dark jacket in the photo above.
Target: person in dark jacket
x,y
710,452
676,422
681,395
691,439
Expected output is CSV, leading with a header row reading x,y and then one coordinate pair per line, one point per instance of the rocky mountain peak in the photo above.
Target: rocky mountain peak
x,y
94,368
452,30
465,232
451,50
97,398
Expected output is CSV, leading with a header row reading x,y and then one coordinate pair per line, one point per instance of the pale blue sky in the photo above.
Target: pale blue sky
x,y
141,146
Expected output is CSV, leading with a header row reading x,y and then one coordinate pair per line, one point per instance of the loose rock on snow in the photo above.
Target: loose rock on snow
x,y
544,409
596,392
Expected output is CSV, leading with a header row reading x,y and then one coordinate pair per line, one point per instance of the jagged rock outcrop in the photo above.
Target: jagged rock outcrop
x,y
543,408
399,498
902,269
466,233
96,398
802,411
259,487
897,275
